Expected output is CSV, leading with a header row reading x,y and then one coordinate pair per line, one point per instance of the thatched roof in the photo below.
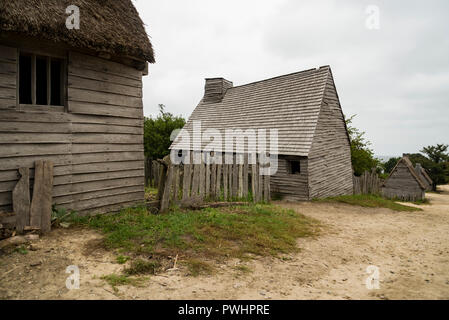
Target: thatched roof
x,y
290,103
111,26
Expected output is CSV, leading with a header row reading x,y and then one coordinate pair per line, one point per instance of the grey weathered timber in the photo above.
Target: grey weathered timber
x,y
202,178
38,194
46,199
225,182
196,180
21,200
254,181
217,193
245,177
213,181
165,201
96,136
176,181
40,210
404,183
187,177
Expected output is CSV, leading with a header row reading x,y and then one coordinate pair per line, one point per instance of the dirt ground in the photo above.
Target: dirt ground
x,y
411,250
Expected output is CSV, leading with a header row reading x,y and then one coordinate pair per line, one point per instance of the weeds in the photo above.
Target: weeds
x,y
369,201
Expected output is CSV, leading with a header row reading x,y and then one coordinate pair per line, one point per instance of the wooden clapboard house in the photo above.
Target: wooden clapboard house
x,y
404,182
314,156
74,97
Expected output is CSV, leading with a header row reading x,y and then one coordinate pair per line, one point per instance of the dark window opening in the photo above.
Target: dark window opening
x,y
41,80
180,153
25,80
295,167
56,83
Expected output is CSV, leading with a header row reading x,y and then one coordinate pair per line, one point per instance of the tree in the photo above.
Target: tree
x,y
157,132
362,156
390,164
437,164
437,153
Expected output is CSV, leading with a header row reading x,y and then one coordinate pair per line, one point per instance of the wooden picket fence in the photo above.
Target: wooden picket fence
x,y
152,172
368,183
193,184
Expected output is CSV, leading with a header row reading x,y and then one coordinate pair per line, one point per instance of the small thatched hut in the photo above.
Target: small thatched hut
x,y
424,176
74,96
404,183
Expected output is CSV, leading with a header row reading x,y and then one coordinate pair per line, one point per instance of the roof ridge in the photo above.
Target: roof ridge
x,y
284,75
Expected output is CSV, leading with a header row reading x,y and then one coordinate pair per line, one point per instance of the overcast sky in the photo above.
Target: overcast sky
x,y
395,78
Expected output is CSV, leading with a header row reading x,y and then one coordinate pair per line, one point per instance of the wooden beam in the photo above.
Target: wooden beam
x,y
21,200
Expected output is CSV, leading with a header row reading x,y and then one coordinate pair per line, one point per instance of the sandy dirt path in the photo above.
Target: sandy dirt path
x,y
411,250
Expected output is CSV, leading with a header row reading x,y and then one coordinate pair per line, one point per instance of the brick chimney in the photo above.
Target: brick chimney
x,y
215,89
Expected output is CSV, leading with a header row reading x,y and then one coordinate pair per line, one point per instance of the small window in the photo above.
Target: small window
x,y
41,80
295,167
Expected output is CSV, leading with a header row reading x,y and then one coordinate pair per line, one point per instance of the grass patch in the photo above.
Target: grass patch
x,y
197,267
241,268
421,202
140,266
115,280
369,201
212,233
122,259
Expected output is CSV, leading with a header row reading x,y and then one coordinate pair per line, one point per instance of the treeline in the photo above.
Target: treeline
x,y
435,159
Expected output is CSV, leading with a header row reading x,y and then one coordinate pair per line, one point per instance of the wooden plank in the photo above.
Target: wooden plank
x,y
106,66
84,73
217,174
21,199
266,188
207,191
47,197
225,182
165,201
202,191
176,179
38,194
195,180
235,178
107,138
8,53
82,95
162,179
254,181
245,177
7,103
7,125
240,178
105,110
260,185
104,86
213,181
187,177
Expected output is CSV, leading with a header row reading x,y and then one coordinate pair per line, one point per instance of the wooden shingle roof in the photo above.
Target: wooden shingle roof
x,y
290,103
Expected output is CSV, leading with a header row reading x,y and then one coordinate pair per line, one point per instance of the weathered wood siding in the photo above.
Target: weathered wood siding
x,y
402,185
330,168
288,186
96,146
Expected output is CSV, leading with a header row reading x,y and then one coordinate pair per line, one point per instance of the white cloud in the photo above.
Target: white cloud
x,y
395,79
